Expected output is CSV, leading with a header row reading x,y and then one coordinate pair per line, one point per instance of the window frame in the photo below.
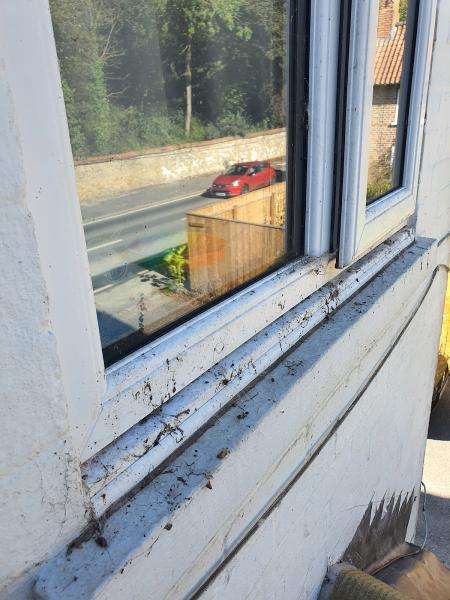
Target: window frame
x,y
397,98
323,81
118,397
144,380
364,226
124,464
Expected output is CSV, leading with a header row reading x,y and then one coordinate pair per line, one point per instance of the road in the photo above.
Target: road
x,y
126,238
122,231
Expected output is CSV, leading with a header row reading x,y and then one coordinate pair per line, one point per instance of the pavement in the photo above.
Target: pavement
x,y
436,476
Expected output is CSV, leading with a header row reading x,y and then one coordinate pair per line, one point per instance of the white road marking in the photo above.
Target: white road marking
x,y
105,245
138,210
103,288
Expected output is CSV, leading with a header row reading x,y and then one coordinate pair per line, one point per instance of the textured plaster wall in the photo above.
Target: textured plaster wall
x,y
41,504
433,211
41,501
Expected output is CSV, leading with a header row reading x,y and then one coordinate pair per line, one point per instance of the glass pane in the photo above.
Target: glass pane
x,y
390,91
177,117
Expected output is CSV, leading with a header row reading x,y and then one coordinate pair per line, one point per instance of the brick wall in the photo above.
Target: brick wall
x,y
383,132
388,16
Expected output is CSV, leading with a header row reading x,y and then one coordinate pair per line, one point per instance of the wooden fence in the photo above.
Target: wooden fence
x,y
230,241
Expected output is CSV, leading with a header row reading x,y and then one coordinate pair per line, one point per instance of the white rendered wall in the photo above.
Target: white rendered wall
x,y
433,211
42,504
376,454
377,451
178,531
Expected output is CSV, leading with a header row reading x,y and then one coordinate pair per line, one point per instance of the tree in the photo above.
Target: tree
x,y
136,76
403,9
83,54
189,20
151,72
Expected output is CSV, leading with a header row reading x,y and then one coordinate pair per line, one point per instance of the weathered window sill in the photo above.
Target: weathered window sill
x,y
194,515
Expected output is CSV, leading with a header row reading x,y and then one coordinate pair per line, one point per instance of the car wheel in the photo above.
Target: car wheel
x,y
245,189
273,180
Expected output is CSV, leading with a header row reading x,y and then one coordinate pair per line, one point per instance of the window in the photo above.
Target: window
x,y
159,113
387,54
178,122
391,86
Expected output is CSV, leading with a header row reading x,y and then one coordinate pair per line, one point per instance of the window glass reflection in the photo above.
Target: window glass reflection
x,y
177,117
390,85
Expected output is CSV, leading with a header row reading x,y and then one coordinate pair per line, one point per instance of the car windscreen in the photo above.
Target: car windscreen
x,y
237,170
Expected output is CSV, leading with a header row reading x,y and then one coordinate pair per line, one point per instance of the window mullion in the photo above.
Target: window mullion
x,y
322,115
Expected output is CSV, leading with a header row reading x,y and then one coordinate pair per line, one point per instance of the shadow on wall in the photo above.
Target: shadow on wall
x,y
111,328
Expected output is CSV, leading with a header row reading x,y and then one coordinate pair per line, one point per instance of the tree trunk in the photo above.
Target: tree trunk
x,y
188,79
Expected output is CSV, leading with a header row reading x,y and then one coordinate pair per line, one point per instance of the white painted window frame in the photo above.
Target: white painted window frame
x,y
362,226
104,403
323,73
147,379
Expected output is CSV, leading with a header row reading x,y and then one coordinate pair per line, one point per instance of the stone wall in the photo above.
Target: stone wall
x,y
107,176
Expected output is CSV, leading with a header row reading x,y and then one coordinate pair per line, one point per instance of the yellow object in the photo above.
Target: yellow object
x,y
444,343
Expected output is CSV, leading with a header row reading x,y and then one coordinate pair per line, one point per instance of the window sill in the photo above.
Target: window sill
x,y
207,497
147,379
122,465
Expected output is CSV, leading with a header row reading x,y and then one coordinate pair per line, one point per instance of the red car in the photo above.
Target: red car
x,y
242,178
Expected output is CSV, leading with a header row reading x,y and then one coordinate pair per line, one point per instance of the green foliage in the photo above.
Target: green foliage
x,y
78,139
403,9
377,188
79,43
176,262
128,67
230,123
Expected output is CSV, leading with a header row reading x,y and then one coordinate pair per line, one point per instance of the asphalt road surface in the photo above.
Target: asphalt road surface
x,y
123,230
